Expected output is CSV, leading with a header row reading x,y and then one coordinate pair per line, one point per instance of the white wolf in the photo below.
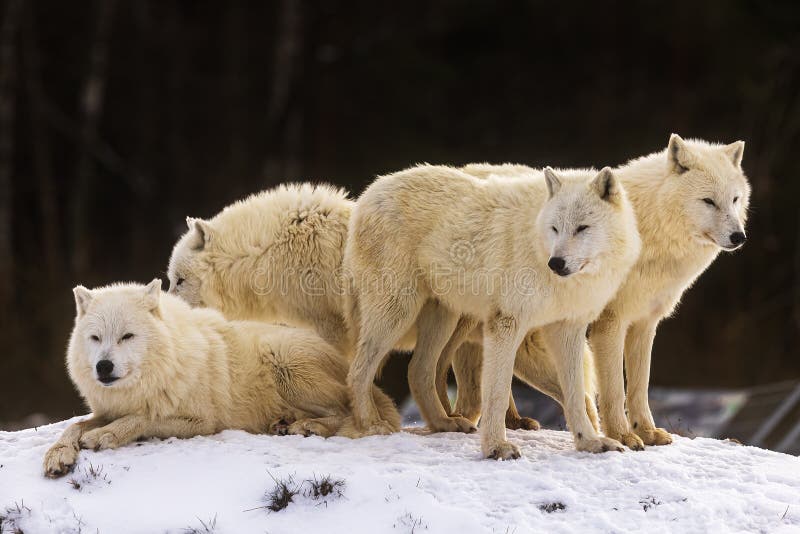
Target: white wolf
x,y
148,365
431,243
274,256
277,256
691,202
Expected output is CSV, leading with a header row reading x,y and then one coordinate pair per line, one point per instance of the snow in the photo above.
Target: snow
x,y
402,483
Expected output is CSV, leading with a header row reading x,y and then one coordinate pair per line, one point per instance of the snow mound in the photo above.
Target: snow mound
x,y
400,483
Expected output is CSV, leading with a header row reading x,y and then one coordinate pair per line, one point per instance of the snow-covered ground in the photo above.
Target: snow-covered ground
x,y
401,483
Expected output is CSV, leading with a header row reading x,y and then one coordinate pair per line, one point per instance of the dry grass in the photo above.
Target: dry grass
x,y
206,527
11,518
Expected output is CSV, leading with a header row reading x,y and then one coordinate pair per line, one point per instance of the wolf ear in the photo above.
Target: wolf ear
x,y
552,181
152,294
606,185
83,297
735,151
678,154
200,231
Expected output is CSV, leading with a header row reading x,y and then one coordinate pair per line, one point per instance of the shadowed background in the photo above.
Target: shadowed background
x,y
118,118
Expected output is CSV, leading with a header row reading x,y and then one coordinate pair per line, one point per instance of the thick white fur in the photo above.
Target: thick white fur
x,y
431,244
533,365
188,371
681,235
274,256
246,262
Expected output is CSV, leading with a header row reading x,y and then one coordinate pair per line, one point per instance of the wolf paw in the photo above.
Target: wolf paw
x,y
502,451
654,436
308,428
598,444
474,418
60,460
522,423
454,423
378,428
629,439
99,439
280,427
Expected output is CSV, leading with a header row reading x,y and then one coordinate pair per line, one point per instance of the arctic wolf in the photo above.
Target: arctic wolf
x,y
148,365
274,256
691,202
431,244
277,256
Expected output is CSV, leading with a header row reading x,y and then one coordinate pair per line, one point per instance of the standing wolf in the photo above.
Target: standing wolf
x,y
431,244
691,202
148,365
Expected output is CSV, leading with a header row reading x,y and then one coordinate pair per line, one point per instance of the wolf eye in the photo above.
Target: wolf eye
x,y
580,229
126,337
179,281
735,199
709,202
554,229
94,338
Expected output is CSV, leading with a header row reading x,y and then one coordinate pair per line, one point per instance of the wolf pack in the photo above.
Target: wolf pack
x,y
283,307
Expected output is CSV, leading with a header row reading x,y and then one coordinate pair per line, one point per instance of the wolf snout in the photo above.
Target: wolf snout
x,y
104,369
558,265
737,238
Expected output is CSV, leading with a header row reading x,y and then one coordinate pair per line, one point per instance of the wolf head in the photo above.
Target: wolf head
x,y
188,267
586,219
708,183
115,329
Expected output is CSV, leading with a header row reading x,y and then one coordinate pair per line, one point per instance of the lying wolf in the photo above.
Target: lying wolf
x,y
148,365
432,244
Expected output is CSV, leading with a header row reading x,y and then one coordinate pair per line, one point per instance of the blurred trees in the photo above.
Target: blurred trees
x,y
8,102
120,117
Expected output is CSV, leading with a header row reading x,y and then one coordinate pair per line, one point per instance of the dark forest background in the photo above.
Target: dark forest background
x,y
120,117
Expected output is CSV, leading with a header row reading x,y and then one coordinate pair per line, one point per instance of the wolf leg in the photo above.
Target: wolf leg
x,y
535,366
307,378
566,341
382,324
607,338
129,428
638,347
61,457
435,326
466,325
467,365
501,338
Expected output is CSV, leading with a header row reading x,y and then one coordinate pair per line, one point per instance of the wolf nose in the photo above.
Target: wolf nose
x,y
557,264
737,238
104,367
